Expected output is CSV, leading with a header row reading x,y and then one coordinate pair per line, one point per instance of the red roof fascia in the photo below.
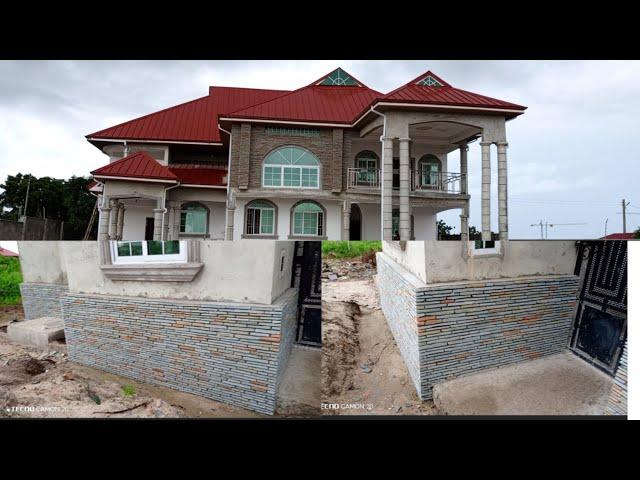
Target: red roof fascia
x,y
136,165
190,174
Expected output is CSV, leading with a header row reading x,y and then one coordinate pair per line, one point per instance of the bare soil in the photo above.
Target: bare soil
x,y
44,384
10,313
363,372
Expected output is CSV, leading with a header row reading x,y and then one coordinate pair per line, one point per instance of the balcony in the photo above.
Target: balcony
x,y
371,179
365,178
447,182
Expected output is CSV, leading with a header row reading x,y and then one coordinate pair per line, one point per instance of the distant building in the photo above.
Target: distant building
x,y
619,236
7,253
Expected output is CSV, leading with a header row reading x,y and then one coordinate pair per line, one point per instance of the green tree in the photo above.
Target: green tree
x,y
636,234
58,199
443,229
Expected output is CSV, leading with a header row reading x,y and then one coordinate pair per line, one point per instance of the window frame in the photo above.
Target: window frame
x,y
280,168
429,159
272,207
322,224
147,258
207,218
368,156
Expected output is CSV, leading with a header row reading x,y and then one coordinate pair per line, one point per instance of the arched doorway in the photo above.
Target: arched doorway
x,y
355,223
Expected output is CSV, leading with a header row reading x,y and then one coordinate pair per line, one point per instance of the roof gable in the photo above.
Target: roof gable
x,y
338,78
137,165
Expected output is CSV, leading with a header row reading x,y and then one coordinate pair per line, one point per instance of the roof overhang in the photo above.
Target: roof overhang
x,y
287,122
386,105
137,140
192,185
134,179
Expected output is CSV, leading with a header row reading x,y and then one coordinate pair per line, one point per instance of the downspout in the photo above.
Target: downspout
x,y
384,132
226,216
164,207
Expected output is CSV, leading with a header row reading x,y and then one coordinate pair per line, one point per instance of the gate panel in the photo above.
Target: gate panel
x,y
307,278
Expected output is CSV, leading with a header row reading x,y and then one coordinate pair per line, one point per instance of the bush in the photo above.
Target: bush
x,y
345,249
10,280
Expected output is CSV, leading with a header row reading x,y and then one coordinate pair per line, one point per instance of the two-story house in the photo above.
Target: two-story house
x,y
332,160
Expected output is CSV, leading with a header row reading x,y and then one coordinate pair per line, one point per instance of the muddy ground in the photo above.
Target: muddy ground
x,y
362,370
10,313
44,384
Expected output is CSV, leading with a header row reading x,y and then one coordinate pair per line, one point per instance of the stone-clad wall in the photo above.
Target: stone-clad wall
x,y
464,327
397,289
42,299
617,403
229,352
471,326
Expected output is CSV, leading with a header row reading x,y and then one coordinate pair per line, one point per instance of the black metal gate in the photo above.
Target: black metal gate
x,y
600,327
306,276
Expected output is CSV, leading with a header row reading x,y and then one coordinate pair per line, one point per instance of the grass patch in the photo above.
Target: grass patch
x,y
345,249
10,280
128,390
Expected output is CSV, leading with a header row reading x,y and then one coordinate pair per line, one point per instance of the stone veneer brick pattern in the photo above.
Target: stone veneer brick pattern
x,y
42,299
230,352
617,403
466,327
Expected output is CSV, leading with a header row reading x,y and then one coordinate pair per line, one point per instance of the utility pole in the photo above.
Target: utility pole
x,y
544,227
605,226
624,215
541,230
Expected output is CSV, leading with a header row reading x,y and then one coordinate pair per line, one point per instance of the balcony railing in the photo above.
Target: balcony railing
x,y
363,178
438,181
448,182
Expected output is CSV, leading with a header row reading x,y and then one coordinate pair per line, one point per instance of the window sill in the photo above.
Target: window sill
x,y
263,237
306,237
158,272
193,235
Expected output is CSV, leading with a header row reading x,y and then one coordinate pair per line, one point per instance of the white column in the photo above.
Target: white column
x,y
464,180
171,217
346,220
158,213
503,219
231,212
405,225
486,190
103,223
120,224
113,218
387,187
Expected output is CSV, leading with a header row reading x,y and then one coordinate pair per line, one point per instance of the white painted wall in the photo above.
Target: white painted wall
x,y
371,221
442,261
135,220
43,262
333,221
425,223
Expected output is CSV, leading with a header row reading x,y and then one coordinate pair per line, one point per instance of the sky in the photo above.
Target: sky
x,y
572,157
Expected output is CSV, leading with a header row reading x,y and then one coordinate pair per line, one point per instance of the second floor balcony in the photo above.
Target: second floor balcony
x,y
363,179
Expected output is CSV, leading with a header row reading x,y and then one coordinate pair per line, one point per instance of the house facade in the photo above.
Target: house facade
x,y
332,160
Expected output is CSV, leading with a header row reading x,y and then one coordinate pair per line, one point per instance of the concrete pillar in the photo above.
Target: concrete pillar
x,y
405,221
464,229
103,223
346,220
486,191
503,220
158,213
173,232
464,180
113,218
120,224
231,212
387,188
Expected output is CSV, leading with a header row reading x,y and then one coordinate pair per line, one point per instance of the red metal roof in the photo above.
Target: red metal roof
x,y
194,121
190,174
314,103
444,95
136,165
619,236
7,253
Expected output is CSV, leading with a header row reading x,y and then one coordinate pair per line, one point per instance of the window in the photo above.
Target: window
x,y
152,251
291,167
429,81
308,219
429,165
339,77
260,218
194,218
367,164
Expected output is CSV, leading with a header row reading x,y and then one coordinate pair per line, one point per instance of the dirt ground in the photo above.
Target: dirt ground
x,y
10,313
44,384
362,370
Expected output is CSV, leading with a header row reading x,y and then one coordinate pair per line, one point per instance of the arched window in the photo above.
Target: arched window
x,y
291,167
260,218
429,171
307,218
194,219
367,165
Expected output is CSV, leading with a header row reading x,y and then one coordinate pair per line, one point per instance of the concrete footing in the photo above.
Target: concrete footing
x,y
37,332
